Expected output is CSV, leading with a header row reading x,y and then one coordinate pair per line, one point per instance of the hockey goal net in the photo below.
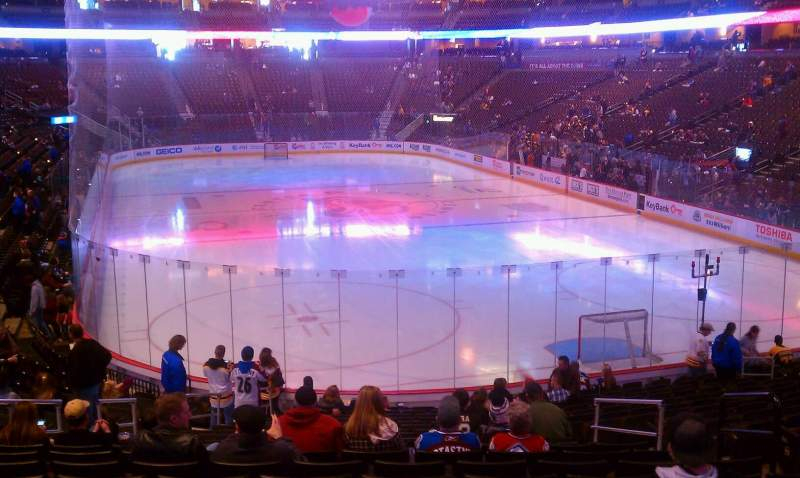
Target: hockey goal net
x,y
276,150
613,336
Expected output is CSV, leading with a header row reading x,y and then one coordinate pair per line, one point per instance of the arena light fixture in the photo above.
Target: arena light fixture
x,y
571,31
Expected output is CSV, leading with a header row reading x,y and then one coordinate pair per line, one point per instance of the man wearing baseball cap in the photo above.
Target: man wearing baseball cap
x,y
699,351
76,415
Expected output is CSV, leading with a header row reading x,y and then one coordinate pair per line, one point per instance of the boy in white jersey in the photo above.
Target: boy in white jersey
x,y
246,379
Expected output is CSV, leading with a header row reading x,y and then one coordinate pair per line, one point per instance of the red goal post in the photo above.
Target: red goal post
x,y
617,325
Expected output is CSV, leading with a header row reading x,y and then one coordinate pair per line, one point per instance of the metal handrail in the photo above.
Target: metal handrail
x,y
134,423
771,373
57,403
209,396
658,435
775,433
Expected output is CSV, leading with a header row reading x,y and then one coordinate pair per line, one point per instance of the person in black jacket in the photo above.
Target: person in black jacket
x,y
170,441
252,442
86,368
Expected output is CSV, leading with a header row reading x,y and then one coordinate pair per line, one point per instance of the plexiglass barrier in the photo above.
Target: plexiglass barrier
x,y
432,329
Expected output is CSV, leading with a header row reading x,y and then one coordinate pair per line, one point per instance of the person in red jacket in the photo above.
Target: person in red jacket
x,y
310,429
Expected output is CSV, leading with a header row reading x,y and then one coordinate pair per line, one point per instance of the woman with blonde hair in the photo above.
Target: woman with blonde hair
x,y
22,428
271,370
369,429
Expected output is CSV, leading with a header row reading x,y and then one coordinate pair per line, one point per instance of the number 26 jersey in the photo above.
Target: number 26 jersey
x,y
245,386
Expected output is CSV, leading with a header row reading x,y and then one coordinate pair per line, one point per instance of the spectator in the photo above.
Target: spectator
x,y
38,303
563,370
309,429
557,392
271,371
76,415
749,343
6,389
218,373
369,429
170,441
86,367
22,428
478,411
463,403
547,420
699,353
779,353
245,379
519,438
331,402
607,380
498,407
250,443
173,372
448,438
691,448
726,355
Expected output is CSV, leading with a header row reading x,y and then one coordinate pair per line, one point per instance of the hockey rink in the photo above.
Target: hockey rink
x,y
409,273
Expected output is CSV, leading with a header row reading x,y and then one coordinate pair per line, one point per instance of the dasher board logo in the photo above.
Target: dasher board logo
x,y
142,154
717,221
413,146
576,186
426,148
619,195
593,189
359,145
235,147
327,145
298,147
772,233
477,159
163,151
547,179
393,146
664,208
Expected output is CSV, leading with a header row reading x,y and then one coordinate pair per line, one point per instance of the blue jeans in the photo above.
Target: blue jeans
x,y
91,394
227,415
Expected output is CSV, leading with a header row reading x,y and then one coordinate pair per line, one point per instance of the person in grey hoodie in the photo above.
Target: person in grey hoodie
x,y
691,447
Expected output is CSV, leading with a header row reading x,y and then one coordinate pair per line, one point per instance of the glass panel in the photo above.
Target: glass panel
x,y
312,309
482,303
257,311
791,321
428,322
580,292
724,301
533,316
208,306
132,302
369,330
763,296
675,307
629,291
105,311
166,304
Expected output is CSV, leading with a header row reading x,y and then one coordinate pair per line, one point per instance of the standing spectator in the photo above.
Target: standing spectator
x,y
557,392
38,303
308,428
271,371
18,209
218,374
448,438
245,379
780,354
699,353
519,438
691,448
547,420
749,343
463,403
173,372
86,367
478,411
607,382
331,402
250,443
726,355
368,428
76,414
22,428
170,441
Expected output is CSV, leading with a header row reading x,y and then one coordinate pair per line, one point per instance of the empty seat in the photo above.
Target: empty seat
x,y
388,469
187,469
352,468
27,469
371,456
509,469
98,469
563,468
81,456
224,469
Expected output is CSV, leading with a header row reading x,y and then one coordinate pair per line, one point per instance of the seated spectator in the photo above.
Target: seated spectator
x,y
256,438
780,354
22,428
557,393
331,402
448,438
547,420
76,414
691,447
369,429
170,440
309,429
519,438
607,382
498,407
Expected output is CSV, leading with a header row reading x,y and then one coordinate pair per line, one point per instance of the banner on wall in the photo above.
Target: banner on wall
x,y
541,177
604,193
